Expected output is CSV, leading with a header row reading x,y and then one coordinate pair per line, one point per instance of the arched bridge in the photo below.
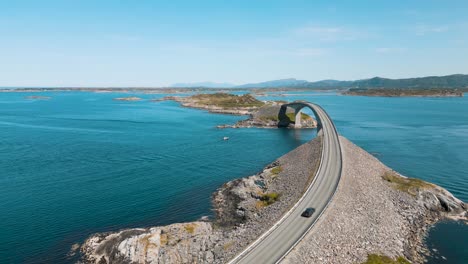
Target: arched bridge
x,y
280,239
297,106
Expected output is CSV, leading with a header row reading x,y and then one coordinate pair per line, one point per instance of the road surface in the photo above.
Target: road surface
x,y
273,246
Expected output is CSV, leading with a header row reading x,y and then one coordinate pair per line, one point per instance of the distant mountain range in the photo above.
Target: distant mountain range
x,y
277,83
450,82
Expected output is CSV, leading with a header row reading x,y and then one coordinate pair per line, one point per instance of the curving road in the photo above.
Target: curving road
x,y
276,243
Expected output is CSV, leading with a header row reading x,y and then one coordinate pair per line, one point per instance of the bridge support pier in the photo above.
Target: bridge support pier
x,y
297,120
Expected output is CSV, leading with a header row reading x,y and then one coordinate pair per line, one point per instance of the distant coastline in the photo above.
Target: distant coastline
x,y
405,92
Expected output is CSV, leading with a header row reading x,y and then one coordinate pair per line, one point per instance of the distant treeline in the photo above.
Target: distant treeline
x,y
405,92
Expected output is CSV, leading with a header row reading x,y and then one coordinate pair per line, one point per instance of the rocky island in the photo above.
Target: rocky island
x,y
261,114
375,214
131,98
38,97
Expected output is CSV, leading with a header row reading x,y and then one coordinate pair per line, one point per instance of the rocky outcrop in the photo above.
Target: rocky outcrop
x,y
37,97
244,209
178,243
131,98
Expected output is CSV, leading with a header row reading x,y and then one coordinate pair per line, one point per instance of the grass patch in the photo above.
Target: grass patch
x,y
269,118
277,170
190,228
226,100
228,245
408,185
163,239
292,117
379,259
269,198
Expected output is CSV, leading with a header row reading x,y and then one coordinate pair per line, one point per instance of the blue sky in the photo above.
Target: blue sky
x,y
157,43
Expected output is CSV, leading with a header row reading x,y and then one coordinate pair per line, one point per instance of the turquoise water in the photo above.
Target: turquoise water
x,y
82,163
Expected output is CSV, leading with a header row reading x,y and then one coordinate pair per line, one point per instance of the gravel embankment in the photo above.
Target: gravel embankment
x,y
298,168
368,216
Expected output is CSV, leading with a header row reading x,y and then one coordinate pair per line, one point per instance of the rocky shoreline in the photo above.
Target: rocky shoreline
x,y
244,209
375,211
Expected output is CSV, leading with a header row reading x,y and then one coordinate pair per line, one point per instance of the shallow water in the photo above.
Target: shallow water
x,y
82,163
447,243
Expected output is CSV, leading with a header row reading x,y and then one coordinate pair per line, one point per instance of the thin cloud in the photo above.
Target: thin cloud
x,y
328,33
386,50
309,52
423,30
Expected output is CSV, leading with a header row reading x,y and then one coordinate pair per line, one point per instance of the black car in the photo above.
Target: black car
x,y
308,212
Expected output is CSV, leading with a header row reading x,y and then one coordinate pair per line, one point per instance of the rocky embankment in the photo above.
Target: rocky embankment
x,y
375,211
244,209
261,114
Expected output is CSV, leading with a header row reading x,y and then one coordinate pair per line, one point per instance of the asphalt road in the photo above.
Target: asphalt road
x,y
278,241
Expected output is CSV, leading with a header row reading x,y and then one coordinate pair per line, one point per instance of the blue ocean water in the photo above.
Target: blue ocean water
x,y
82,163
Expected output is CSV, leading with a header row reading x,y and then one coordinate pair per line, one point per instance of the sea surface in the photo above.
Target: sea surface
x,y
81,162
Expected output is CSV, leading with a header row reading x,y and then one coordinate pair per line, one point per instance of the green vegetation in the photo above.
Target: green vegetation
x,y
228,245
164,239
292,116
379,259
408,185
277,170
190,228
269,198
405,92
268,118
226,100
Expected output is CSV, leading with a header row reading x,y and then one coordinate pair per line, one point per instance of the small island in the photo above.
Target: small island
x,y
405,92
131,98
37,97
262,114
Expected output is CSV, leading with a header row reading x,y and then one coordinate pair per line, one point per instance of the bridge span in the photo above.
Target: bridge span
x,y
280,239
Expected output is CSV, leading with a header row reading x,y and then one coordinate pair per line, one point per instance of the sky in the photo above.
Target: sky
x,y
157,43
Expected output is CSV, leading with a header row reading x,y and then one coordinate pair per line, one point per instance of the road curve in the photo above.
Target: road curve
x,y
276,243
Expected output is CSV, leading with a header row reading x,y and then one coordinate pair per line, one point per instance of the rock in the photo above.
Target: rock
x,y
131,98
